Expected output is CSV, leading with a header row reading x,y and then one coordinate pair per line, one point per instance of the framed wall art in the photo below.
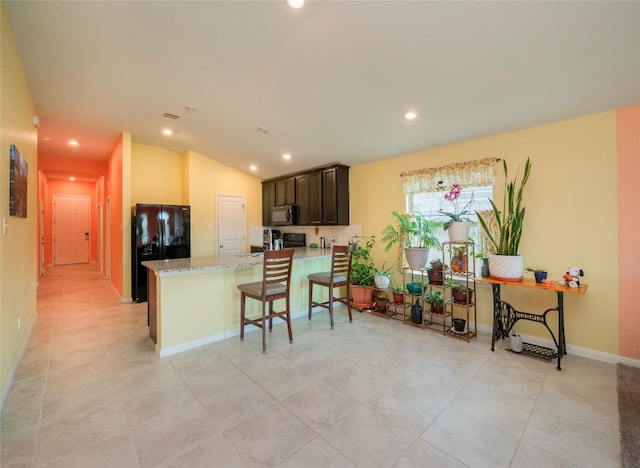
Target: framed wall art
x,y
18,174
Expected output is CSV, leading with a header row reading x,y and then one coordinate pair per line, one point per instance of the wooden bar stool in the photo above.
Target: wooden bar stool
x,y
275,284
340,275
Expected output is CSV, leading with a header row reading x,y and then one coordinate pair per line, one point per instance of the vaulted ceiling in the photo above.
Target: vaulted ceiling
x,y
251,80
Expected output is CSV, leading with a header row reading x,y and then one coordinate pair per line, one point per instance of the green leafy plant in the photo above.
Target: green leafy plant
x,y
510,220
535,269
383,271
362,267
434,298
411,230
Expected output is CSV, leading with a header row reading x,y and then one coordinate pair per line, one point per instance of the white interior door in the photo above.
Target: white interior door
x,y
71,221
232,224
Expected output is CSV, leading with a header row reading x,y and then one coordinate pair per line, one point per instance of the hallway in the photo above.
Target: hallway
x,y
90,391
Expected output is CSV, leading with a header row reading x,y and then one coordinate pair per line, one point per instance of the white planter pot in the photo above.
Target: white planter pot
x,y
381,281
417,257
506,267
459,231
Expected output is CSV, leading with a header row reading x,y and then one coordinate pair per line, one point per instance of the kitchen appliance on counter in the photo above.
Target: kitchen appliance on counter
x,y
271,239
158,232
294,239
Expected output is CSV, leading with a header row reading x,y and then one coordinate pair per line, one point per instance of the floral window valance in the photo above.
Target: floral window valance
x,y
469,173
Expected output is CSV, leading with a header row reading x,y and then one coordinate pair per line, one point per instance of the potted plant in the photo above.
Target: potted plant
x,y
459,223
435,272
460,293
506,264
382,277
459,324
416,233
539,273
398,295
460,259
436,301
362,272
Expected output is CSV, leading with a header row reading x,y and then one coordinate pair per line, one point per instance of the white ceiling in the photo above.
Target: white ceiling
x,y
331,82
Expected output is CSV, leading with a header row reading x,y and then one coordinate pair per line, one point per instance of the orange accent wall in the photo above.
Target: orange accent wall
x,y
91,170
113,191
67,187
628,148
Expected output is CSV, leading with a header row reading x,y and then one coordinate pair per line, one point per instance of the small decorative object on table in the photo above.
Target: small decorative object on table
x,y
571,278
539,273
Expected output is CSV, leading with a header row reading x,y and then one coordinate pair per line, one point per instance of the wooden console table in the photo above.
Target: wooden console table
x,y
505,315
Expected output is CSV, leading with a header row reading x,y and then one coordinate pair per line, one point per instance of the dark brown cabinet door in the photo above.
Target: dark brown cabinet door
x,y
286,191
335,196
268,201
309,198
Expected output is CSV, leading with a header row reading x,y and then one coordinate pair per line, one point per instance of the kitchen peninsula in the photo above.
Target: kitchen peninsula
x,y
194,301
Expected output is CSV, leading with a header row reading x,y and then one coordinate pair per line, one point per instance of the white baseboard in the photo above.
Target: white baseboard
x,y
213,338
575,350
12,372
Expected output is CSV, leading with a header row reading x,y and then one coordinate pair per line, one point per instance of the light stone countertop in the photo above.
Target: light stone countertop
x,y
227,262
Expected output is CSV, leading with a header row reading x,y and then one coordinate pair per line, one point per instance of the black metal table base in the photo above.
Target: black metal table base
x,y
505,317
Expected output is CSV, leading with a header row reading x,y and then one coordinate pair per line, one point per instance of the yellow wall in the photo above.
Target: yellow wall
x,y
155,175
18,247
206,179
571,215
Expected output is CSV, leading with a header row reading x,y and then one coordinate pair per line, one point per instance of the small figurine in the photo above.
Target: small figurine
x,y
572,277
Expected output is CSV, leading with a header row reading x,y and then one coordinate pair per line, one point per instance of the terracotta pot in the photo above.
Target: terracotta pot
x,y
362,295
381,304
462,296
437,309
398,298
435,276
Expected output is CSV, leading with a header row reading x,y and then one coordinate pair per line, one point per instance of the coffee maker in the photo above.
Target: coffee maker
x,y
272,239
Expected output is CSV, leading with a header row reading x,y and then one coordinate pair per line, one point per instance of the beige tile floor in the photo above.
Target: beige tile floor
x,y
91,392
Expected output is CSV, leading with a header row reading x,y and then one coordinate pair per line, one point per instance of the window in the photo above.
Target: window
x,y
423,190
431,204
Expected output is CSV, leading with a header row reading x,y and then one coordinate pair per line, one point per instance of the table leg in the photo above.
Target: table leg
x,y
562,344
497,319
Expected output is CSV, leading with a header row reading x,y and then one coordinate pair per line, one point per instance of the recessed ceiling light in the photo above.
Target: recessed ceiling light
x,y
286,156
253,168
73,143
72,178
297,4
190,108
167,132
410,115
263,130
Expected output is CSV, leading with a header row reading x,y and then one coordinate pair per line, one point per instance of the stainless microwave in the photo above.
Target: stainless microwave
x,y
284,215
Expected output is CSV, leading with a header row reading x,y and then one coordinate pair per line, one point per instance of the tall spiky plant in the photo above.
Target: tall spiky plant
x,y
511,218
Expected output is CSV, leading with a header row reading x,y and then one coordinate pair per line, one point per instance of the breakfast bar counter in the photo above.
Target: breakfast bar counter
x,y
194,301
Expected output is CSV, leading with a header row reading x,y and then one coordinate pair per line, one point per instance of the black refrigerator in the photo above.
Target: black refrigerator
x,y
158,232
